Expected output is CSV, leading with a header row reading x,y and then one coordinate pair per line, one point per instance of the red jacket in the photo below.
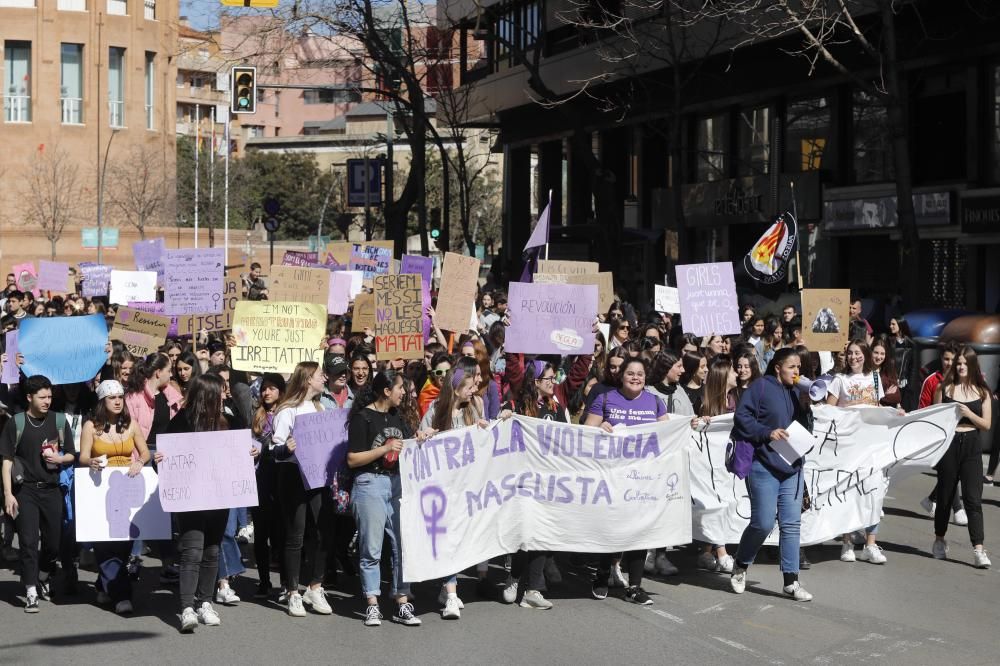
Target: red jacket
x,y
514,376
927,390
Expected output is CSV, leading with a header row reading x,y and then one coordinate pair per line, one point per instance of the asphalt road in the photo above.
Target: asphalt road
x,y
912,610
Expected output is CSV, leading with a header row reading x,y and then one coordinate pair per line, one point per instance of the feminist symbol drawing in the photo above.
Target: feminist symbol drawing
x,y
432,504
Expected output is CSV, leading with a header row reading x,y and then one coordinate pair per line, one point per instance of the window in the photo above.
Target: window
x,y
872,141
439,78
150,74
754,141
72,5
19,4
149,9
712,134
320,96
118,7
17,82
71,83
516,29
996,124
254,131
197,82
310,131
116,86
807,134
180,79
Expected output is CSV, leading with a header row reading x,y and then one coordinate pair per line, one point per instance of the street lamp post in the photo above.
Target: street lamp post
x,y
100,197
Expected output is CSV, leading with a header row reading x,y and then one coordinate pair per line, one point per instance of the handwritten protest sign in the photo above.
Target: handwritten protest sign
x,y
132,286
826,318
193,281
292,258
371,260
424,267
399,322
665,299
459,280
708,302
26,278
230,296
148,256
564,267
273,336
64,349
340,252
340,292
112,506
301,285
320,445
54,276
141,332
96,279
357,282
605,283
364,312
551,318
157,309
595,492
206,470
10,373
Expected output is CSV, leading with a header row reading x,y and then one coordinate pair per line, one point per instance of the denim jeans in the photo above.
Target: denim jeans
x,y
230,557
375,502
770,496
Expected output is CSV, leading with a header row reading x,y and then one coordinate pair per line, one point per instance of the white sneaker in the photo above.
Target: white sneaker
x,y
650,564
317,599
189,621
738,581
980,559
726,563
939,549
665,567
847,552
373,616
534,599
928,505
404,615
616,578
797,592
510,591
873,554
451,610
124,607
207,615
245,534
443,598
226,596
961,518
706,560
295,607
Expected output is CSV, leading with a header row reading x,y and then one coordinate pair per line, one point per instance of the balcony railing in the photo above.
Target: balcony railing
x,y
149,9
17,108
149,116
116,113
72,110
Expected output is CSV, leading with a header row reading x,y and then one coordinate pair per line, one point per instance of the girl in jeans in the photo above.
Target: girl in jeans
x,y
376,431
765,410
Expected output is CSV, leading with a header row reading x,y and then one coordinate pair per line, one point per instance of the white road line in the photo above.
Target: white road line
x,y
665,614
712,609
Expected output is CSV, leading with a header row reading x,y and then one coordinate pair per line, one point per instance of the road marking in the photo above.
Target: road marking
x,y
665,614
766,607
871,637
712,609
734,644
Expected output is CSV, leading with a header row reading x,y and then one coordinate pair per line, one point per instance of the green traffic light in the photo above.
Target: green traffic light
x,y
244,102
435,233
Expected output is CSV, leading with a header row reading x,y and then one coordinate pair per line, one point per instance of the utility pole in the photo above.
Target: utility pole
x,y
197,149
225,213
100,23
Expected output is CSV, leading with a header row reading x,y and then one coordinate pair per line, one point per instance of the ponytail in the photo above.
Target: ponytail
x,y
144,370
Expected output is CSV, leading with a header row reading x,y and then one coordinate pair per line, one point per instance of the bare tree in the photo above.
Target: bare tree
x,y
139,188
51,193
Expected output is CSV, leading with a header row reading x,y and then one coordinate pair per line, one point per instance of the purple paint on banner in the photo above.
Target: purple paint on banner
x,y
551,318
159,309
194,281
53,276
320,445
301,259
371,260
707,294
148,256
124,494
96,279
10,374
206,470
424,266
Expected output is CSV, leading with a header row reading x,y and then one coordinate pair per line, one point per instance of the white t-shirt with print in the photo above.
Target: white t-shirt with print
x,y
855,388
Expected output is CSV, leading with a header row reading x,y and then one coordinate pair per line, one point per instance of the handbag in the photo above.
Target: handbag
x,y
340,491
739,458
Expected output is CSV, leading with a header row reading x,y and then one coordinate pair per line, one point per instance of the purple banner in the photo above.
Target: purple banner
x,y
551,318
301,259
148,256
424,266
53,276
206,470
371,260
194,281
320,445
96,279
159,309
709,304
10,374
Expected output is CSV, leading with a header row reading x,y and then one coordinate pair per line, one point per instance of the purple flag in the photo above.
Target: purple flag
x,y
540,235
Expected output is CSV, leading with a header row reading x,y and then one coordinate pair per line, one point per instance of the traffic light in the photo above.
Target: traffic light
x,y
243,91
435,223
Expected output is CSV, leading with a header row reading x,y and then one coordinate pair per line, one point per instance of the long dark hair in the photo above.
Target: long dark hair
x,y
526,400
102,418
144,370
716,398
203,404
887,371
867,367
973,377
260,415
188,358
692,361
660,367
779,359
373,390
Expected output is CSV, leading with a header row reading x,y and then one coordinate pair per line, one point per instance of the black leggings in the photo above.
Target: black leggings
x,y
300,510
268,527
963,462
201,535
530,564
633,562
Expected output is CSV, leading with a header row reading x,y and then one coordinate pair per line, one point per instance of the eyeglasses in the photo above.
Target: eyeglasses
x,y
439,373
550,378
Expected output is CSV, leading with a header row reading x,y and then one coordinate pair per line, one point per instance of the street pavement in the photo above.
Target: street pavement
x,y
912,610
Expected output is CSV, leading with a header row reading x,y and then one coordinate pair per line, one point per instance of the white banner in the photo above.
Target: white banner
x,y
857,452
473,494
113,506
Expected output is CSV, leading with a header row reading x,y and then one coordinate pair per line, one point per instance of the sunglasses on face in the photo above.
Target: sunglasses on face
x,y
439,373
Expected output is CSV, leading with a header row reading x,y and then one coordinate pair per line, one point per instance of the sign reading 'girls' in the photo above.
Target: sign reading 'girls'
x,y
708,299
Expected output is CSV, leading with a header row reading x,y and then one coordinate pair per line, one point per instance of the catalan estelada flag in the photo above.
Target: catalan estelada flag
x,y
767,260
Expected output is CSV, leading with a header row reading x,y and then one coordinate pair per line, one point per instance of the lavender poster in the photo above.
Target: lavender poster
x,y
148,256
709,304
551,318
194,281
423,266
320,445
206,470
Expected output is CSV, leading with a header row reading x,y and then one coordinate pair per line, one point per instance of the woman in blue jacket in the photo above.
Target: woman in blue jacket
x,y
764,412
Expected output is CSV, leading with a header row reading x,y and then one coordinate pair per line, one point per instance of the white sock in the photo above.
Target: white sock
x,y
453,595
32,591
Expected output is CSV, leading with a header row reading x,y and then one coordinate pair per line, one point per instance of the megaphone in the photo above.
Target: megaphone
x,y
816,389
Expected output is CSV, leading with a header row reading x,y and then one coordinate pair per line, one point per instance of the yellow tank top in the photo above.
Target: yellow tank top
x,y
119,453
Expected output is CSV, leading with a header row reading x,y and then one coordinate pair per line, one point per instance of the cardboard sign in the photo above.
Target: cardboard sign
x,y
339,252
10,372
562,267
231,292
113,506
399,322
551,318
300,285
320,445
273,336
371,260
96,280
826,319
206,470
459,279
67,350
157,309
148,256
708,300
665,299
193,281
54,276
605,283
299,258
141,332
26,278
132,286
364,312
